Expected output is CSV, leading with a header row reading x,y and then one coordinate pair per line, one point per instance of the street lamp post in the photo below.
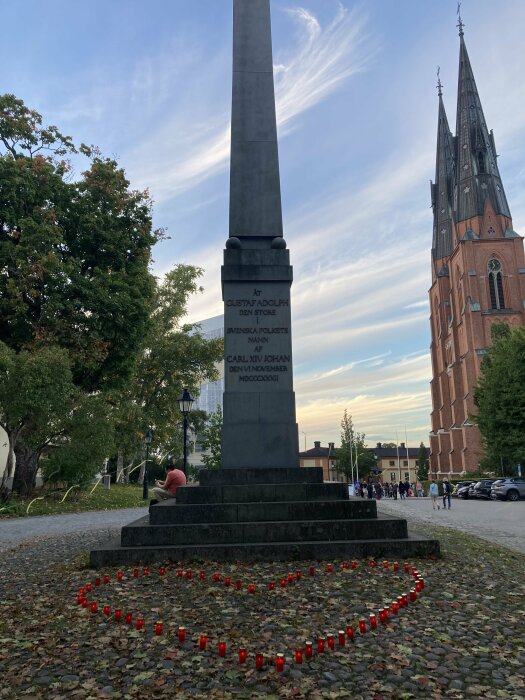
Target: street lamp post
x,y
148,437
185,404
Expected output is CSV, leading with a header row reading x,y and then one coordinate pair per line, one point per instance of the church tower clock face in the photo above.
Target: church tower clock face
x,y
494,265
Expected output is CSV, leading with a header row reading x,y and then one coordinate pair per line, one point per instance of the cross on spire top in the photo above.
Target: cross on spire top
x,y
460,24
439,84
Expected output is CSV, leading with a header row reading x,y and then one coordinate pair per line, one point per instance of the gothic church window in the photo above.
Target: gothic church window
x,y
495,275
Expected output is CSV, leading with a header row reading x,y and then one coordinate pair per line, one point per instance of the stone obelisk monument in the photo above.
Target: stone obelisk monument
x,y
260,428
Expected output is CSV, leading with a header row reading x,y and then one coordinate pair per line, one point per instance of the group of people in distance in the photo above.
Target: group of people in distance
x,y
405,489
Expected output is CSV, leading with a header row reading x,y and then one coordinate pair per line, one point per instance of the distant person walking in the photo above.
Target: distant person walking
x,y
419,489
370,491
433,492
447,492
394,491
401,490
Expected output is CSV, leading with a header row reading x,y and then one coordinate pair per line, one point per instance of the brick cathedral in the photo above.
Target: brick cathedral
x,y
478,272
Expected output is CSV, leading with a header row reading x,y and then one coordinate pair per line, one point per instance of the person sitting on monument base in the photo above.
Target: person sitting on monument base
x,y
168,488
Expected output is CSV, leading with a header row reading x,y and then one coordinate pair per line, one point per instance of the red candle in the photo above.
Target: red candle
x,y
311,570
279,662
181,634
373,621
188,573
135,573
222,648
202,641
419,586
271,586
227,581
320,645
97,581
385,565
299,656
283,583
354,565
382,616
82,591
344,565
107,610
140,624
145,572
341,638
162,571
308,649
259,661
395,566
106,578
329,567
84,602
216,577
118,615
350,632
119,576
80,598
242,656
290,578
372,564
414,571
297,575
413,595
158,629
202,575
179,573
251,588
400,601
405,600
93,607
330,641
362,626
421,582
238,585
395,607
405,566
88,587
128,619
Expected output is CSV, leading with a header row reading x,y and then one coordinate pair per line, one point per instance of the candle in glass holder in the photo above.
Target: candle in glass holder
x,y
145,572
350,632
118,615
382,616
93,607
251,588
259,661
414,571
119,576
181,634
202,642
128,619
82,591
107,610
330,641
406,567
362,626
135,573
354,565
80,598
373,621
290,578
179,573
405,600
413,594
84,602
395,566
202,575
140,623
395,607
216,577
297,575
222,648
271,586
311,570
242,656
227,581
238,585
97,581
320,645
400,601
385,565
106,578
189,573
158,629
88,587
162,571
341,638
308,649
299,656
419,586
329,568
283,583
372,564
279,662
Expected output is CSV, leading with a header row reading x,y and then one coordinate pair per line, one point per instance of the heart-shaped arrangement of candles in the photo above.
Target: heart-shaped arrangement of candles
x,y
345,632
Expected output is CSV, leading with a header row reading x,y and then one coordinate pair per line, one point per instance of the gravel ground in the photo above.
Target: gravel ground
x,y
463,638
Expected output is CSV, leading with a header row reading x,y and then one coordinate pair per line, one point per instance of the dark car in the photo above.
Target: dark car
x,y
462,489
510,489
481,489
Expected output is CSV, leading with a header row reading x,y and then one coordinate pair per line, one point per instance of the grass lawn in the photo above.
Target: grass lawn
x,y
50,503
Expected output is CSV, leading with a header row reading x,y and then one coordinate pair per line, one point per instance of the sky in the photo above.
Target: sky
x,y
150,84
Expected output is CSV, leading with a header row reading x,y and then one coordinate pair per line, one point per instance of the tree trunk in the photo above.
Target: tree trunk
x,y
9,465
120,468
25,470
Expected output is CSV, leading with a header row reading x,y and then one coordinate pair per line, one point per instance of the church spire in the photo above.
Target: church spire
x,y
442,189
477,174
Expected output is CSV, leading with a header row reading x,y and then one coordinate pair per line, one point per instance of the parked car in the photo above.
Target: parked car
x,y
510,489
462,487
481,489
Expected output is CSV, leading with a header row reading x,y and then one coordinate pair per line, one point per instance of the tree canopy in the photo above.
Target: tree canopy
x,y
500,399
353,457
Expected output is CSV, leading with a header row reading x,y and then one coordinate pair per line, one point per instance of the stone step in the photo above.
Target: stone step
x,y
140,533
177,513
295,475
248,493
114,553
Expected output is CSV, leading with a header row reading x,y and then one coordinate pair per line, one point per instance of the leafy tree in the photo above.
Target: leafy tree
x,y
212,440
353,450
422,463
74,257
500,398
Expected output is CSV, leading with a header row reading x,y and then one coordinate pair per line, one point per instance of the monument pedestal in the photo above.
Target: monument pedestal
x,y
254,514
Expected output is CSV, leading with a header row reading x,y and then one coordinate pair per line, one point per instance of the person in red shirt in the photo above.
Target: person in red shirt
x,y
168,488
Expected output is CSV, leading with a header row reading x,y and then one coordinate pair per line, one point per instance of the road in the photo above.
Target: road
x,y
496,521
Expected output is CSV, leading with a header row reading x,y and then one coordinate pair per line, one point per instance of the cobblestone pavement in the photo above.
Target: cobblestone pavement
x,y
499,522
18,530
